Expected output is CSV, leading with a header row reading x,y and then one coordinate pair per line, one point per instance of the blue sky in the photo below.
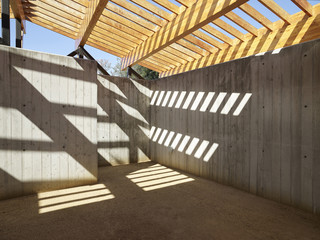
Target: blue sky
x,y
44,40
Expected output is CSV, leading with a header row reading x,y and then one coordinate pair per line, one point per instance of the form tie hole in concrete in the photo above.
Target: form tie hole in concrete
x,y
23,150
263,150
305,106
305,55
305,156
262,106
23,105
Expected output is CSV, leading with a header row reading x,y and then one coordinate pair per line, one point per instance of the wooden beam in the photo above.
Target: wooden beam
x,y
252,12
93,13
229,29
17,9
276,9
193,18
242,23
301,30
305,6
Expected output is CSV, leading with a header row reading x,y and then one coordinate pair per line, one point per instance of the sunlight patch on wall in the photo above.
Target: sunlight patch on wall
x,y
115,155
157,177
241,105
232,99
81,123
111,86
141,88
132,112
18,132
165,137
194,100
72,197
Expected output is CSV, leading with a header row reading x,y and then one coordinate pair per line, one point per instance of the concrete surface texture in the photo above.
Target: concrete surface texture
x,y
123,115
150,201
251,123
48,109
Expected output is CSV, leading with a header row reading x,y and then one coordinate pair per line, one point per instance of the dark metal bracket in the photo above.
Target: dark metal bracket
x,y
82,52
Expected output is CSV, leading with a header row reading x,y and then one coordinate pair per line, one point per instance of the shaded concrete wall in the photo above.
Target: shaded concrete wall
x,y
270,147
123,120
48,109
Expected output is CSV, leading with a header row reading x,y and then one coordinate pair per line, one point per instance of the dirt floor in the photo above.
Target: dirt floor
x,y
149,201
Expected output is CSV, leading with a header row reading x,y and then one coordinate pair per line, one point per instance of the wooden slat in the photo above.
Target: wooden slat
x,y
118,32
55,20
93,13
229,29
172,56
132,17
214,32
301,30
107,45
162,61
150,66
276,9
252,12
305,6
123,28
192,47
168,5
169,60
200,43
51,26
126,22
76,6
107,39
98,40
177,53
40,5
75,14
242,23
185,51
205,11
17,9
186,3
140,12
114,36
108,50
208,39
154,9
55,15
158,63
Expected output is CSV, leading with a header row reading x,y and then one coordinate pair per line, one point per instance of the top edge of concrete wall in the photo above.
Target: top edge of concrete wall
x,y
238,59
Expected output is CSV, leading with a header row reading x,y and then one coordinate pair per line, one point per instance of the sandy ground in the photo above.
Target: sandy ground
x,y
148,201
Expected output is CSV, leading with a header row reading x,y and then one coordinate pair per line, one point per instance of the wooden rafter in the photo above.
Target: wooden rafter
x,y
94,10
17,9
276,9
184,24
300,30
304,5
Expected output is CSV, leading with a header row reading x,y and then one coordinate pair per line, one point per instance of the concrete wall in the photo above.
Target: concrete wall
x,y
123,120
48,109
270,147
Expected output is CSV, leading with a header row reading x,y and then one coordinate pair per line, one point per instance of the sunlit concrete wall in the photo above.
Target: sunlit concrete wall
x,y
48,121
123,120
252,123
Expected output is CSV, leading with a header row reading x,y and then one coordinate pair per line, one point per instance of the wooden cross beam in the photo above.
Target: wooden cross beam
x,y
198,15
93,13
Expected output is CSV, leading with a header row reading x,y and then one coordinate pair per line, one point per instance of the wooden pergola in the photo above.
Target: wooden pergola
x,y
171,37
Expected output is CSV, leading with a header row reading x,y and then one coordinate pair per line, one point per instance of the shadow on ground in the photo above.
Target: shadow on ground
x,y
150,201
